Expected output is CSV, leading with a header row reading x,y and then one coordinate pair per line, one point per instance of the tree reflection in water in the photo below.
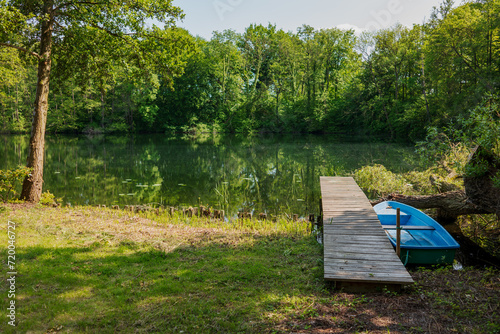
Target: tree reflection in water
x,y
273,174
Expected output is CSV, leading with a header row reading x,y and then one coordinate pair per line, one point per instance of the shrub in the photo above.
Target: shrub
x,y
49,199
380,182
10,180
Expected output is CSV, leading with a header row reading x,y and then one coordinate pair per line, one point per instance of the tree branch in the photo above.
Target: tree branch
x,y
22,49
73,3
121,36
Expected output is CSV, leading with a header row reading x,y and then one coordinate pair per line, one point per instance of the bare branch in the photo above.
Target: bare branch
x,y
22,49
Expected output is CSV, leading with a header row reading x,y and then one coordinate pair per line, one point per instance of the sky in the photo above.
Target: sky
x,y
205,16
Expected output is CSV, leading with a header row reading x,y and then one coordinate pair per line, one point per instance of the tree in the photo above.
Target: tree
x,y
50,27
285,70
462,54
257,44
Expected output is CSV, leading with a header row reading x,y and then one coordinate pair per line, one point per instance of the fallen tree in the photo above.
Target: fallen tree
x,y
449,205
480,196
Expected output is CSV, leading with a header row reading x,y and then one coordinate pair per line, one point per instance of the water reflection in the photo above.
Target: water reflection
x,y
265,174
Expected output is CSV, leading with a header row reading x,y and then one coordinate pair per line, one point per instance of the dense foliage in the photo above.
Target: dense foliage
x,y
396,82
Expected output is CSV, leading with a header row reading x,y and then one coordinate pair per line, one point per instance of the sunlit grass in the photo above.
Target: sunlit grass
x,y
100,270
274,226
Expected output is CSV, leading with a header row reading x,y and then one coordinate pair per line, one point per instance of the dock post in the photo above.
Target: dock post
x,y
398,232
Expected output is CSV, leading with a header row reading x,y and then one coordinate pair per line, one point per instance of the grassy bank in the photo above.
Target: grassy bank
x,y
88,270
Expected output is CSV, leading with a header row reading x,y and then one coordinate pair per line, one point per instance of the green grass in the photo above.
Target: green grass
x,y
87,270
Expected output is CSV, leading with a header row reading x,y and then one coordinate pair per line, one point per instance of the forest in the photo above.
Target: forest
x,y
396,82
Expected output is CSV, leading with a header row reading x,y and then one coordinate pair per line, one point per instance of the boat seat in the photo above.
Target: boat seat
x,y
421,228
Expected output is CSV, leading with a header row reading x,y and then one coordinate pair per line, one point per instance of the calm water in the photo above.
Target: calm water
x,y
270,174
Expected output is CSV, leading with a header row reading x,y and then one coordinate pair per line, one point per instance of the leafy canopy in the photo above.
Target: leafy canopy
x,y
93,36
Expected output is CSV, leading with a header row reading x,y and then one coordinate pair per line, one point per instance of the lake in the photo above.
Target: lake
x,y
273,174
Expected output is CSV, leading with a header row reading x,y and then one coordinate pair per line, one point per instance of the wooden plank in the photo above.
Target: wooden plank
x,y
356,237
346,230
333,228
371,244
336,225
394,270
348,216
361,278
361,263
349,252
381,246
374,274
370,222
367,258
346,226
363,223
346,235
350,230
366,276
357,256
346,206
344,200
346,213
387,271
345,240
359,250
357,230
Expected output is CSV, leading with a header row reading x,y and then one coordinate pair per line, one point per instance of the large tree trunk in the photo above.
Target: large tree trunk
x,y
32,186
450,205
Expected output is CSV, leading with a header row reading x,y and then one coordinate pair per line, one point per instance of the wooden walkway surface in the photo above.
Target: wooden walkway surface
x,y
356,248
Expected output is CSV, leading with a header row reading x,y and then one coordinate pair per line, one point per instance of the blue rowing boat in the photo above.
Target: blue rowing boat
x,y
423,240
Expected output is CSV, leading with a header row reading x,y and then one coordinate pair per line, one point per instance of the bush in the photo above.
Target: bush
x,y
10,180
379,182
49,199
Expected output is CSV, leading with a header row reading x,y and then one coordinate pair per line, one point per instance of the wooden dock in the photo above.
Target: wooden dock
x,y
357,252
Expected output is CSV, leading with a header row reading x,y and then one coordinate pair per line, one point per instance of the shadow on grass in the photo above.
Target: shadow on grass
x,y
258,285
212,288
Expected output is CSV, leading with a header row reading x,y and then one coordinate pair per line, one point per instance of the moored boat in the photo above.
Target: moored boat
x,y
423,240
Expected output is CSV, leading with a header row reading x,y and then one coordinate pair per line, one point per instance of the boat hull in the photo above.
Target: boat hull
x,y
427,256
423,240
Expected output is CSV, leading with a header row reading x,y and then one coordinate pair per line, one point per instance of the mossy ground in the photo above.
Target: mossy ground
x,y
88,270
